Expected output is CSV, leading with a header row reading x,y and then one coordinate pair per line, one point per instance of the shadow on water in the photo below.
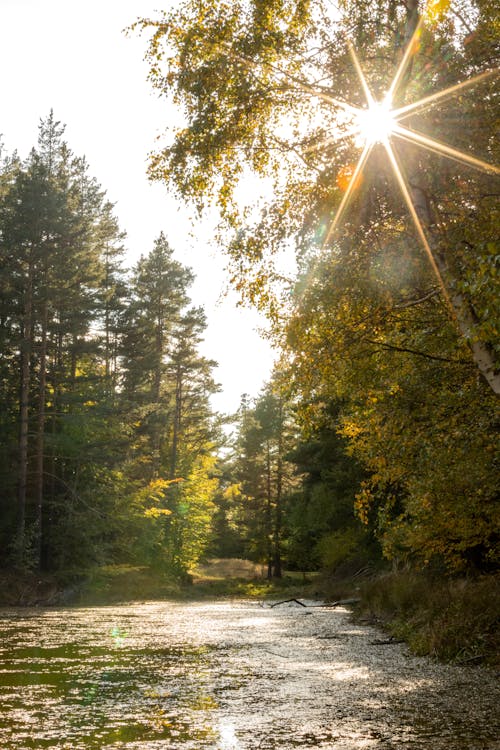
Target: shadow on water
x,y
228,677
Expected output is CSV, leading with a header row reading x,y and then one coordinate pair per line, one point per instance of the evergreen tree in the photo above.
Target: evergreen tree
x,y
158,295
263,476
50,214
322,528
107,437
167,384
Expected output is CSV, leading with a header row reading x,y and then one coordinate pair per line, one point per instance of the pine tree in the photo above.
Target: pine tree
x,y
263,475
49,216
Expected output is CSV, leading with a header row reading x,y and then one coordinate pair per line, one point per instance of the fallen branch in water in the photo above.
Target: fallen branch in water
x,y
471,659
341,603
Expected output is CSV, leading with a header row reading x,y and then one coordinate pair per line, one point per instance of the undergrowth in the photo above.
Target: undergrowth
x,y
112,584
451,619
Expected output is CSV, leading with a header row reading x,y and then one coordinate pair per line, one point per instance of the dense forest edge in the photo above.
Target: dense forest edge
x,y
368,466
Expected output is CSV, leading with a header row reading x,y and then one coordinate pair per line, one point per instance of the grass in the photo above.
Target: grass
x,y
290,586
451,619
219,579
243,579
111,584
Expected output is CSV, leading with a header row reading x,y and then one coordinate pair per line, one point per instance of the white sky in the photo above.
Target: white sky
x,y
73,57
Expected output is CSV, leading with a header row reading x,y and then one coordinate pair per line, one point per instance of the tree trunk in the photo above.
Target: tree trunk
x,y
461,308
107,325
24,393
279,492
177,423
40,439
269,513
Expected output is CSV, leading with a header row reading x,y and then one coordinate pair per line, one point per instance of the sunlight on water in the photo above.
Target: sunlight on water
x,y
227,676
228,739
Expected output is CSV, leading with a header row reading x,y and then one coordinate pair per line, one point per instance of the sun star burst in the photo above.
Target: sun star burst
x,y
376,123
380,123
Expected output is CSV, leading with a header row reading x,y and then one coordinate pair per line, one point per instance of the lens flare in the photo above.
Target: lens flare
x,y
379,122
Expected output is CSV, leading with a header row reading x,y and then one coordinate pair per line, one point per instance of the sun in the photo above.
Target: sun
x,y
375,124
379,123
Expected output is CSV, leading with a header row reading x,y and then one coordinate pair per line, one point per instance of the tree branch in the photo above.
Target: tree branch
x,y
407,350
411,303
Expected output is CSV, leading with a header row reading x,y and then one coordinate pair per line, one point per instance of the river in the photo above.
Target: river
x,y
229,676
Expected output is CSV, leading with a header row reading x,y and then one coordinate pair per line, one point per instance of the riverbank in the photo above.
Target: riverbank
x,y
450,619
114,584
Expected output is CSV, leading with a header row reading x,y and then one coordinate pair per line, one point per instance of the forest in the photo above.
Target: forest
x,y
375,441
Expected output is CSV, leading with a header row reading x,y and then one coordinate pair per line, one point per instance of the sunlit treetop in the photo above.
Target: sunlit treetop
x,y
267,85
322,99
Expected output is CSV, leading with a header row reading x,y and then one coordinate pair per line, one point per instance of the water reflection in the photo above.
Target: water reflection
x,y
227,735
227,677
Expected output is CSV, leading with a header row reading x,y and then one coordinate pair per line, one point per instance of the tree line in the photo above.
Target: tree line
x,y
107,437
377,434
389,331
110,452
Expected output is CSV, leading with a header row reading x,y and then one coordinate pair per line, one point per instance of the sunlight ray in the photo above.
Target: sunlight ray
x,y
427,101
364,124
332,100
349,192
416,220
361,75
442,148
307,89
336,139
405,60
327,141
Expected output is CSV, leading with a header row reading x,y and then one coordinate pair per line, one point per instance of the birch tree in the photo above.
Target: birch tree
x,y
271,88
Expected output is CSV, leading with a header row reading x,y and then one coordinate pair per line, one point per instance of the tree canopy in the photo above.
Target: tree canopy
x,y
393,313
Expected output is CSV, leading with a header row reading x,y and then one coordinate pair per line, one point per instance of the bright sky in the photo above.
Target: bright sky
x,y
74,58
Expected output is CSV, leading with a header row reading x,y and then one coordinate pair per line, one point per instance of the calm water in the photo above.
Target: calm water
x,y
229,676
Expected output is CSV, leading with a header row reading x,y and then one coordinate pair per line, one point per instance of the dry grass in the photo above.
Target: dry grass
x,y
451,619
223,568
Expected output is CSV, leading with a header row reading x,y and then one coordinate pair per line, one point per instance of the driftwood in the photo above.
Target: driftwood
x,y
471,659
341,603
